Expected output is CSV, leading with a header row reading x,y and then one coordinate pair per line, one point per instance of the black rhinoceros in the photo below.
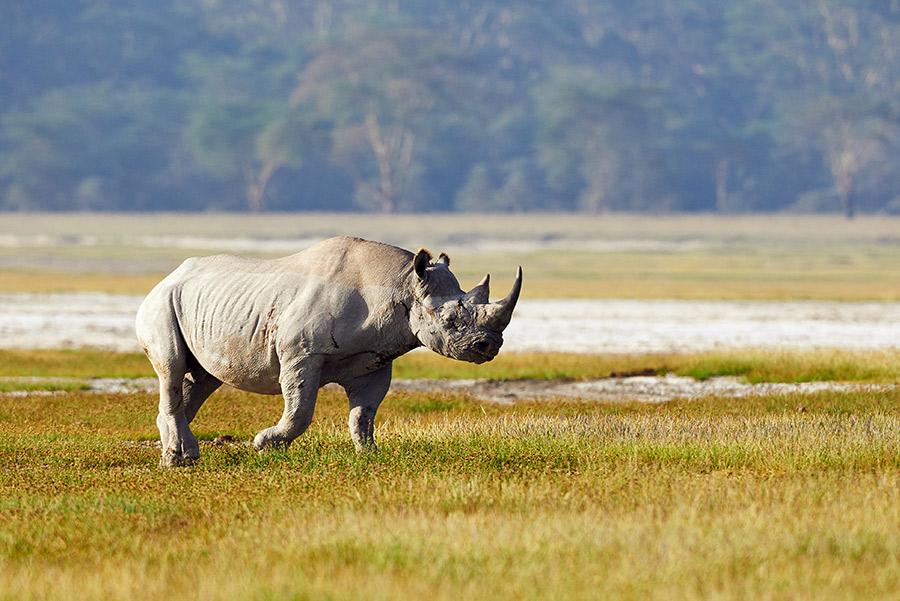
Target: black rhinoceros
x,y
340,311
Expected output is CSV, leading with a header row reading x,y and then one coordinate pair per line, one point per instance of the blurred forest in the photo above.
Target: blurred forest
x,y
572,105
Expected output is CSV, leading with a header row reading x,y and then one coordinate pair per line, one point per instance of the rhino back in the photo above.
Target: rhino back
x,y
337,298
354,262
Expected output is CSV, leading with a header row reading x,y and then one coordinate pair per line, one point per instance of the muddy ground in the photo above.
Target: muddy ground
x,y
645,389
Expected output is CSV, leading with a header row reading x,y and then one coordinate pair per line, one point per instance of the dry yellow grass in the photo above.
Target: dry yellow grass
x,y
701,257
13,281
578,274
774,497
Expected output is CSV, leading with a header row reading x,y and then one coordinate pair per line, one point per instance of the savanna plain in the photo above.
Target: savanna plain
x,y
770,496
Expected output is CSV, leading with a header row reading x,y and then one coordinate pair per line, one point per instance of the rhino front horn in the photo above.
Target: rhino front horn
x,y
480,294
497,315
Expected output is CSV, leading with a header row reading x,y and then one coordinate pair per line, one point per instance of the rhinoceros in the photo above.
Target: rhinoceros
x,y
340,311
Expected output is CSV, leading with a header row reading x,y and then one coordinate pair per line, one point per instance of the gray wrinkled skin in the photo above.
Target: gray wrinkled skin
x,y
340,311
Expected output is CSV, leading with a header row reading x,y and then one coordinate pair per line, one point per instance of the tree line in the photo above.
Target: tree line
x,y
573,105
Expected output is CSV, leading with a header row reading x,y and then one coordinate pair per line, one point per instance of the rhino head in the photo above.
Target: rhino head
x,y
457,324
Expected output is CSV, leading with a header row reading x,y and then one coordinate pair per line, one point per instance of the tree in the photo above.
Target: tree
x,y
599,136
478,191
387,95
827,72
574,105
77,149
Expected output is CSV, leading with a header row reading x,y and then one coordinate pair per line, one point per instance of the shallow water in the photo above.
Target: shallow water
x,y
588,326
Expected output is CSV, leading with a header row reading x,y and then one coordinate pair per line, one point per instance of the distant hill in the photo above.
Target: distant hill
x,y
573,105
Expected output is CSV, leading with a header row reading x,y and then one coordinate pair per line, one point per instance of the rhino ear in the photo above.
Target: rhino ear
x,y
420,262
443,259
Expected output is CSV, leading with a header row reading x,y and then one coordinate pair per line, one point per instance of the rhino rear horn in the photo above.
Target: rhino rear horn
x,y
497,315
480,294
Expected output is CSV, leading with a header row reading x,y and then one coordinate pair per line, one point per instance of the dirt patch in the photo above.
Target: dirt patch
x,y
640,388
645,389
219,441
119,385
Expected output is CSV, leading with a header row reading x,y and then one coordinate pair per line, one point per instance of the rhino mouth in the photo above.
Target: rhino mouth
x,y
479,359
486,348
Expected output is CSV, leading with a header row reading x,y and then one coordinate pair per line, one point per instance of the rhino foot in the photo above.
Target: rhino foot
x,y
370,448
271,438
180,454
173,458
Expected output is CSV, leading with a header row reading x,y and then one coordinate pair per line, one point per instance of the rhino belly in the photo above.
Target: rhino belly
x,y
239,366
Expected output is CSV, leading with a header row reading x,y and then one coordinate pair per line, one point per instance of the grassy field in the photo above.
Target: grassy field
x,y
752,365
772,497
609,256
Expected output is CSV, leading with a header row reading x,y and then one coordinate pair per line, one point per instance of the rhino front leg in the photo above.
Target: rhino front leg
x,y
299,386
365,394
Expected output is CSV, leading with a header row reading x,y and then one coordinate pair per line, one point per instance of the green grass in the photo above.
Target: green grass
x,y
788,366
769,497
751,365
73,363
47,385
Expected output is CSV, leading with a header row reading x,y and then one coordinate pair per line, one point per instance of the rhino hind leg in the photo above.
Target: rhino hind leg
x,y
169,356
197,386
300,387
179,446
365,395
